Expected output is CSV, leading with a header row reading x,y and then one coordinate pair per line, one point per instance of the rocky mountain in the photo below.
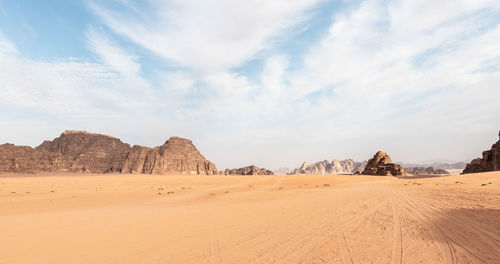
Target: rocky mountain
x,y
177,155
436,165
425,170
26,159
283,171
381,164
80,151
250,170
347,166
88,152
489,162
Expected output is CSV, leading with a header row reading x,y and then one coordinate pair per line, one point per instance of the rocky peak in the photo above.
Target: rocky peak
x,y
347,166
490,160
381,164
177,155
304,166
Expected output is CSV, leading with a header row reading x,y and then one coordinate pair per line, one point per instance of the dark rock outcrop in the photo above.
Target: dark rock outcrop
x,y
250,170
26,159
134,163
88,152
381,164
425,170
489,162
80,151
347,166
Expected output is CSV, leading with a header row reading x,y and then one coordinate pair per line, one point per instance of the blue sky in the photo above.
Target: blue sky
x,y
271,83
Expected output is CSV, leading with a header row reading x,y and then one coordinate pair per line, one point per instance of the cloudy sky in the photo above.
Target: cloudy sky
x,y
271,83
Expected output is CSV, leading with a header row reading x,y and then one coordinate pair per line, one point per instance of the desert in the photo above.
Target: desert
x,y
130,218
249,132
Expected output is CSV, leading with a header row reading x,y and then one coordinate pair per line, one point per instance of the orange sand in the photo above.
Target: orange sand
x,y
249,219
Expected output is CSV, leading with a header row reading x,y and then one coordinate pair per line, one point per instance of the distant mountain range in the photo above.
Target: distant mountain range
x,y
347,166
350,166
436,165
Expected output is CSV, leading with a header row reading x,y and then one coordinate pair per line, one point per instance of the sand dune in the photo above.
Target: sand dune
x,y
249,219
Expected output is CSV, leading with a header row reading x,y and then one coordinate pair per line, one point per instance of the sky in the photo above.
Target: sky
x,y
270,83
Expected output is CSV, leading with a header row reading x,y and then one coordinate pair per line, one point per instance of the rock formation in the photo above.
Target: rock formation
x,y
282,171
489,162
250,170
88,152
381,164
437,165
425,170
80,151
26,159
177,155
347,166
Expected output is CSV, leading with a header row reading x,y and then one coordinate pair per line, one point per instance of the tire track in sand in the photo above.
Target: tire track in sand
x,y
397,248
448,252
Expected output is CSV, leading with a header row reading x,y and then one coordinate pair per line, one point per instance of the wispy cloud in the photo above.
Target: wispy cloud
x,y
412,77
203,35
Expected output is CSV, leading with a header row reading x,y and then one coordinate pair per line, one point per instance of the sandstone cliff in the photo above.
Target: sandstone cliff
x,y
80,151
347,166
88,152
250,170
489,162
26,159
381,164
177,155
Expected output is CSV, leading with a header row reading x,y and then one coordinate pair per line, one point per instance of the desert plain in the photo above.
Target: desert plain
x,y
127,218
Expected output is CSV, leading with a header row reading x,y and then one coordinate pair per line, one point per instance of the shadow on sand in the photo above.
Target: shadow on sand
x,y
468,235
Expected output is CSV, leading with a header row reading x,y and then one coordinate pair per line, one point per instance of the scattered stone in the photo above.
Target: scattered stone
x,y
381,164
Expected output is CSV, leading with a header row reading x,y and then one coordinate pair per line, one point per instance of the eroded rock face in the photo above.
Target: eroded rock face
x,y
347,166
80,151
26,159
89,152
425,170
177,155
381,164
134,163
489,162
250,170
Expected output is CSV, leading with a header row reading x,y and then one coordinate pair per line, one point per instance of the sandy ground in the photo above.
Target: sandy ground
x,y
249,219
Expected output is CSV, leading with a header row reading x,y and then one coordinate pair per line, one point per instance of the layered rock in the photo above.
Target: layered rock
x,y
381,164
80,151
136,157
88,152
250,170
489,162
347,166
26,159
177,155
425,170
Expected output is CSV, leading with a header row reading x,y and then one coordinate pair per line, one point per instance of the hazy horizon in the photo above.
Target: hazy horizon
x,y
269,83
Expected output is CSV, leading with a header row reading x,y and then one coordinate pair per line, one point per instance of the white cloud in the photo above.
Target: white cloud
x,y
70,86
206,35
111,55
412,77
